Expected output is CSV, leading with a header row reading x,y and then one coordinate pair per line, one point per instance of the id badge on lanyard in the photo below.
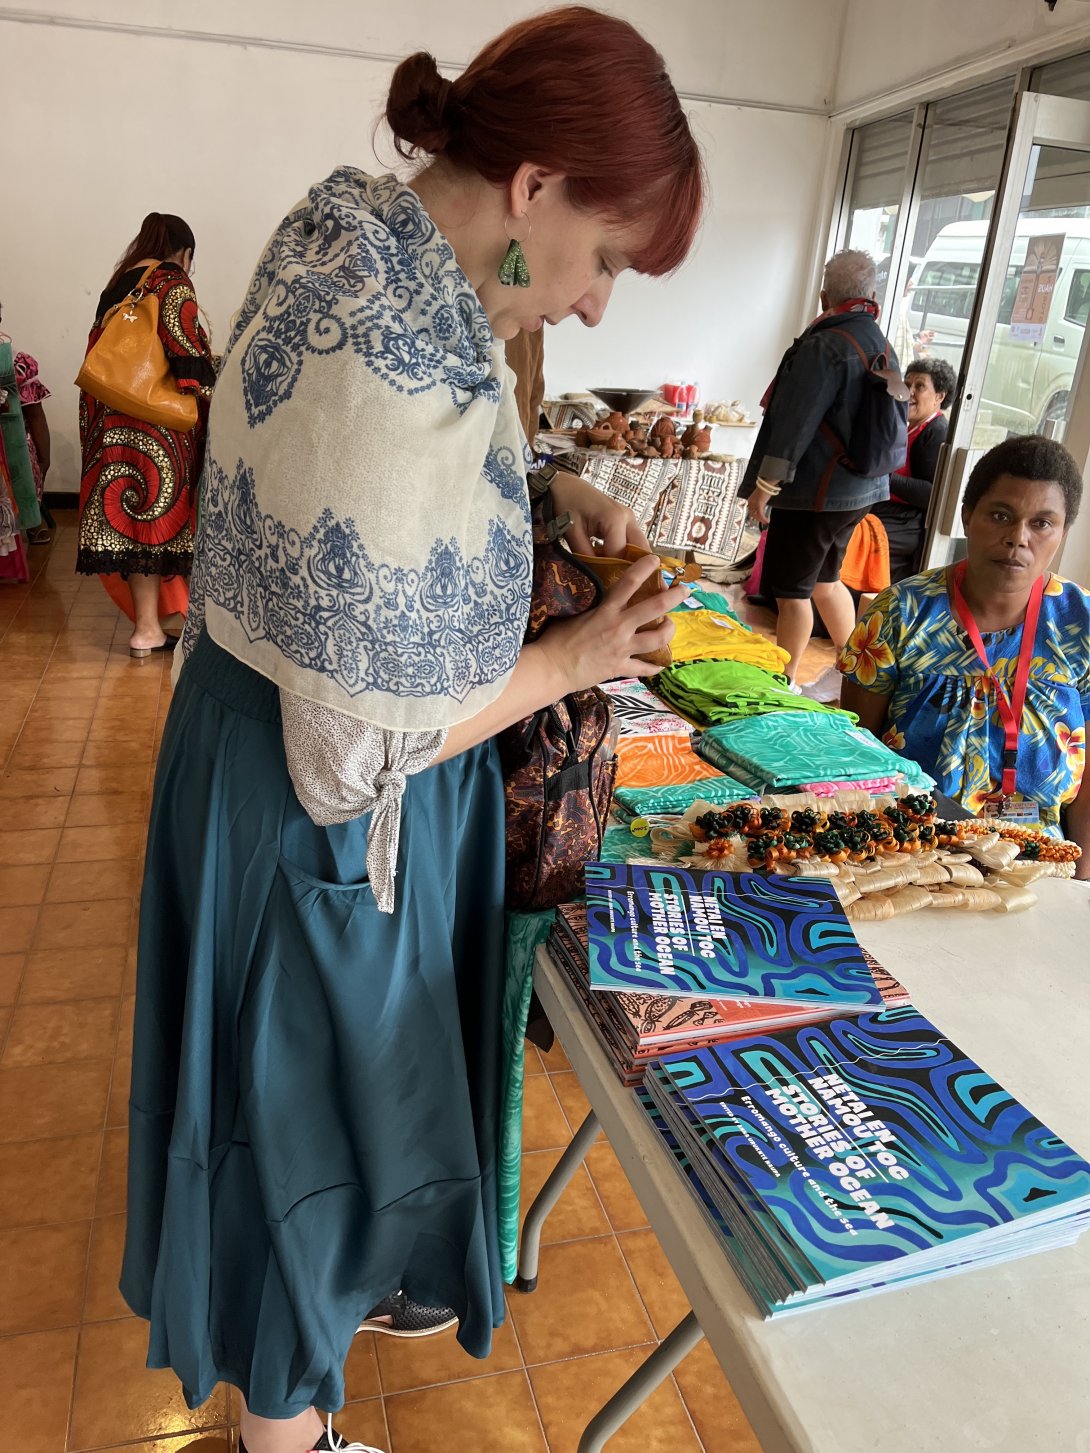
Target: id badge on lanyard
x,y
1010,709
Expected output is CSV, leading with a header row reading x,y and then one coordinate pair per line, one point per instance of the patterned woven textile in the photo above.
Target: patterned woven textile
x,y
638,713
525,931
630,802
701,510
785,748
658,761
684,504
636,483
873,785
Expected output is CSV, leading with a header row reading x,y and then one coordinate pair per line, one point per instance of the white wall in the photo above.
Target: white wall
x,y
730,48
161,114
890,43
725,319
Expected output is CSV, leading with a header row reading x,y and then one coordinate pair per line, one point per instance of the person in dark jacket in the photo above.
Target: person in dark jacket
x,y
931,382
797,481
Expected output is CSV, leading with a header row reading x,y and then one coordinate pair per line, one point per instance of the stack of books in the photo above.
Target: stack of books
x,y
643,1007
853,1156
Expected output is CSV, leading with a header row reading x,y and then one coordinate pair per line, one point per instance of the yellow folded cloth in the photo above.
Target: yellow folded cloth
x,y
705,635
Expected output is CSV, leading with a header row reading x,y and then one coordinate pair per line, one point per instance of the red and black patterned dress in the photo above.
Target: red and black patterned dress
x,y
138,488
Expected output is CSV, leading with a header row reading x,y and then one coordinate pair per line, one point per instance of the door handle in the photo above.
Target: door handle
x,y
955,467
1059,342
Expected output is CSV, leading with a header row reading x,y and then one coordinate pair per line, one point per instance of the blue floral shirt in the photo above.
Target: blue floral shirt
x,y
911,647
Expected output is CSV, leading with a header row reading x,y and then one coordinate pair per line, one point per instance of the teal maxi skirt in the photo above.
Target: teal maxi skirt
x,y
315,1089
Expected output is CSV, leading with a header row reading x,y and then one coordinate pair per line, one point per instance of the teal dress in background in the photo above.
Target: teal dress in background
x,y
314,1117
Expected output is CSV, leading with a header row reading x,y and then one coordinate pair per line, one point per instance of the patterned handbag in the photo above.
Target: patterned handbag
x,y
559,764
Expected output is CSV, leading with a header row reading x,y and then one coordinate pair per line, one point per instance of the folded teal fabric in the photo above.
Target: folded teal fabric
x,y
713,692
630,802
774,752
712,601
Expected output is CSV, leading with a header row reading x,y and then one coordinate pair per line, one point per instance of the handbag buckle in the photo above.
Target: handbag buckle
x,y
557,527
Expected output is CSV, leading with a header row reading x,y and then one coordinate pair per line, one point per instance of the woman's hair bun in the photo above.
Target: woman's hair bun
x,y
417,108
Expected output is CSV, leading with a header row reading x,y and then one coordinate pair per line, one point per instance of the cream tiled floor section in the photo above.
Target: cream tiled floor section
x,y
79,726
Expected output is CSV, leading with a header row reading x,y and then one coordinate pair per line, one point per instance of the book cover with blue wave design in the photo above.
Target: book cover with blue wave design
x,y
869,1150
672,930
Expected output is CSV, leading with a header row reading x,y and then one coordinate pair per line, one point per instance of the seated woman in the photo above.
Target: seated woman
x,y
931,382
938,666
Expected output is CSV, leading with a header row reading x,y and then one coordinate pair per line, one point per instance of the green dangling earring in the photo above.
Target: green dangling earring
x,y
513,270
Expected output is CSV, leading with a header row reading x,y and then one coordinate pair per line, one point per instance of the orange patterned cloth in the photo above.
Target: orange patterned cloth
x,y
659,761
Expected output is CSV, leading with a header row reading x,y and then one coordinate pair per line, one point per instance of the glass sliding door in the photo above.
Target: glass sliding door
x,y
965,138
1022,344
881,156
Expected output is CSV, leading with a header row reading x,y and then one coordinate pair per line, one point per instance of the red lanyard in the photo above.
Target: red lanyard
x,y
1010,710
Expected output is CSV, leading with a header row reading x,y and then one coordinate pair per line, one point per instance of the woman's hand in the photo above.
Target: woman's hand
x,y
757,507
574,654
595,516
605,642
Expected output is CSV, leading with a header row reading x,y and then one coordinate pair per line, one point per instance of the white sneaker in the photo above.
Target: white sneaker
x,y
826,689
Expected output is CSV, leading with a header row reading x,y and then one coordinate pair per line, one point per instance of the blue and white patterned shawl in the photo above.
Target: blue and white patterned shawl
x,y
365,528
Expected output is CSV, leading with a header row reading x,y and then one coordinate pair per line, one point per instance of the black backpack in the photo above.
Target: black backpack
x,y
879,438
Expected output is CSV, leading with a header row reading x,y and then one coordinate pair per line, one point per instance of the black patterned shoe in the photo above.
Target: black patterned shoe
x,y
331,1442
407,1318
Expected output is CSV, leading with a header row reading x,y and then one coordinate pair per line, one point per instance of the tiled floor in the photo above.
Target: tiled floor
x,y
79,726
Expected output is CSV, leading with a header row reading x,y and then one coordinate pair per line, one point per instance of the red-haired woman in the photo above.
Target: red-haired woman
x,y
139,480
315,1092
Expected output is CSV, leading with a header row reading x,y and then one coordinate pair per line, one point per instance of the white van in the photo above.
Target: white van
x,y
1027,381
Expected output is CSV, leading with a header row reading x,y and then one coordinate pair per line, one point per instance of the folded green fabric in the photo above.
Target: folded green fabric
x,y
714,692
782,749
632,802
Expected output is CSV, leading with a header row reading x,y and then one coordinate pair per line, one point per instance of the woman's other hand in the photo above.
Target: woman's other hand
x,y
606,642
595,516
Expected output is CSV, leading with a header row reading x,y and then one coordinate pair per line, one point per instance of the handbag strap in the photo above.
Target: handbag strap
x,y
135,292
